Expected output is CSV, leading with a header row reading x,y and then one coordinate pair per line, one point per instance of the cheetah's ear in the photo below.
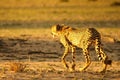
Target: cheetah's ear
x,y
59,27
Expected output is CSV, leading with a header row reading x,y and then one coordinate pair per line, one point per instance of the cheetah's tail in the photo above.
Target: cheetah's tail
x,y
101,55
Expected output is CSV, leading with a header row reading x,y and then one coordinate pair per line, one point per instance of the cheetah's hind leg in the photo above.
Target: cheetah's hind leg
x,y
105,61
88,60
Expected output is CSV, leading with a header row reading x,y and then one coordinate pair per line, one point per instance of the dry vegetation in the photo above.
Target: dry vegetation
x,y
28,51
55,71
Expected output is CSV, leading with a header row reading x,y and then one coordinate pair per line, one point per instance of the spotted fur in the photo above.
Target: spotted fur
x,y
84,38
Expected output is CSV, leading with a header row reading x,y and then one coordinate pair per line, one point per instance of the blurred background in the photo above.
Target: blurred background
x,y
44,13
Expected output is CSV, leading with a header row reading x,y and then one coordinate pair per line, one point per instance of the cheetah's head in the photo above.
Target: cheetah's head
x,y
56,29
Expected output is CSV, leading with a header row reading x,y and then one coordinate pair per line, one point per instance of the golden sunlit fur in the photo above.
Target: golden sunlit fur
x,y
84,38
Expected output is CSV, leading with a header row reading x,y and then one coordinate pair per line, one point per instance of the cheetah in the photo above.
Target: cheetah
x,y
84,38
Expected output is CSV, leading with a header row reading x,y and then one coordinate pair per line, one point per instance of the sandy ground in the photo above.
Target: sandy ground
x,y
55,71
42,57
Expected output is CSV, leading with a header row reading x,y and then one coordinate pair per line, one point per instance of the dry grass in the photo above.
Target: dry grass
x,y
17,67
55,70
43,10
25,33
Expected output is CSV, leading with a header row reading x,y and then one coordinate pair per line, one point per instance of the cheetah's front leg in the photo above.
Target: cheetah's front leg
x,y
64,56
73,59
